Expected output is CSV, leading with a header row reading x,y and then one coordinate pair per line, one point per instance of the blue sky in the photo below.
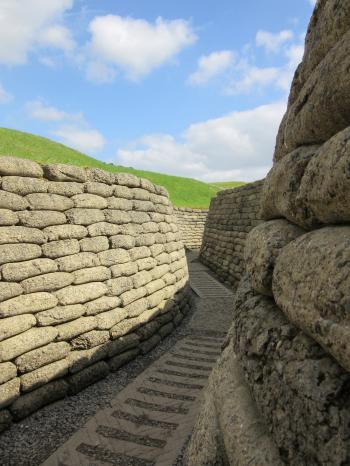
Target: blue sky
x,y
189,87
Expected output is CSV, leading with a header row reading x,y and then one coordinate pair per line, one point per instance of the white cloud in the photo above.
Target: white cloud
x,y
85,140
210,66
5,97
73,130
247,77
312,2
137,46
40,111
57,36
100,73
253,77
273,42
236,146
21,24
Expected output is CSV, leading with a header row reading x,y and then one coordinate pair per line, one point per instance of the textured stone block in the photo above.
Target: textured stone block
x,y
23,185
89,201
61,172
47,282
139,217
18,252
105,303
141,278
84,216
113,256
263,246
123,191
90,339
137,307
316,265
9,392
59,232
117,216
21,270
147,345
107,320
78,261
122,344
122,241
78,360
28,303
11,326
132,295
117,361
117,286
31,402
17,234
104,229
60,314
124,327
96,244
148,263
65,188
14,166
42,376
8,217
127,179
27,341
8,371
74,328
80,294
100,189
139,253
88,376
119,204
41,218
48,201
9,290
91,274
126,269
61,248
40,357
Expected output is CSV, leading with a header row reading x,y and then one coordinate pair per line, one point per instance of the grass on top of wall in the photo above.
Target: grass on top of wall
x,y
184,192
227,184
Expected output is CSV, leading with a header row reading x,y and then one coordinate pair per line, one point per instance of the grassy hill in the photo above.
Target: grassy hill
x,y
184,192
227,184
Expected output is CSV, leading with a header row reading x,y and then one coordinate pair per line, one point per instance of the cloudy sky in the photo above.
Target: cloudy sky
x,y
189,87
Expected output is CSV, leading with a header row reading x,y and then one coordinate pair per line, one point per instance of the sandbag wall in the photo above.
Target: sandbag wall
x,y
191,225
93,272
232,214
290,332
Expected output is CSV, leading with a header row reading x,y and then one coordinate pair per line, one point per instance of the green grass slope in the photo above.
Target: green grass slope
x,y
184,192
227,184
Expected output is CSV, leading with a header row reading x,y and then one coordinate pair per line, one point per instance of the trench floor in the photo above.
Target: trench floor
x,y
150,420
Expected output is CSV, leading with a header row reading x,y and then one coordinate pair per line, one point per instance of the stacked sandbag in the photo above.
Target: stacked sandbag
x,y
191,224
232,214
92,272
290,332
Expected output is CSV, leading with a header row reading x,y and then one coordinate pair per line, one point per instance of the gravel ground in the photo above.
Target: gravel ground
x,y
31,441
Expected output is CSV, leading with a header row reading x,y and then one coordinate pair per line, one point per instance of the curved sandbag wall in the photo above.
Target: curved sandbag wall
x,y
290,330
93,271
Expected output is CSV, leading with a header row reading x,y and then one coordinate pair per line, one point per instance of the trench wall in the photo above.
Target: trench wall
x,y
93,272
191,224
290,319
232,214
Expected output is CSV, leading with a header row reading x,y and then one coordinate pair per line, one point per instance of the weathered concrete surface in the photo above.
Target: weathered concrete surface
x,y
263,246
301,392
229,429
311,285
